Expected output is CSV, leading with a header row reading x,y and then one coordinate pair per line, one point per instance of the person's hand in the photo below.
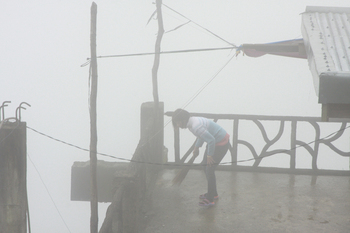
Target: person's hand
x,y
210,160
196,151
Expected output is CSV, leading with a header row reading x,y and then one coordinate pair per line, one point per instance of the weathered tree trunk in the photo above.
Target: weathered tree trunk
x,y
157,53
93,125
124,214
155,140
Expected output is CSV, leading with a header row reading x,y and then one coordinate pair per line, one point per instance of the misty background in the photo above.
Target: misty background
x,y
44,44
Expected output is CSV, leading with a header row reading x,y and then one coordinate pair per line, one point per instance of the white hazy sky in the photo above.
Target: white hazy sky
x,y
43,44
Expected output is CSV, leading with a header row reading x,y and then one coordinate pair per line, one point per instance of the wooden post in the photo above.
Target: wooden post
x,y
157,54
93,129
155,141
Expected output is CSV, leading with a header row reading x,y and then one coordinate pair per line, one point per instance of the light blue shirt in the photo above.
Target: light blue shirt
x,y
206,131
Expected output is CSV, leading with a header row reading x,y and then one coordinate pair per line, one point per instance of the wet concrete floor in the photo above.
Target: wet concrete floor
x,y
252,202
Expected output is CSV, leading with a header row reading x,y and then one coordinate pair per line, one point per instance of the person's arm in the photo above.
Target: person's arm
x,y
199,142
210,140
196,151
210,160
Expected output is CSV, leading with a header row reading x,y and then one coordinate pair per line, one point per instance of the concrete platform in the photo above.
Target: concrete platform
x,y
252,202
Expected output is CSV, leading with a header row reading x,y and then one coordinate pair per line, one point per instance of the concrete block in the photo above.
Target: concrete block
x,y
109,177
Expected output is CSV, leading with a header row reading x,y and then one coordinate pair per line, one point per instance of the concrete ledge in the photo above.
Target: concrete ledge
x,y
109,176
277,170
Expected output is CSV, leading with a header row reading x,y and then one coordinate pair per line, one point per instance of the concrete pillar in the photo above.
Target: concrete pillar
x,y
13,169
153,130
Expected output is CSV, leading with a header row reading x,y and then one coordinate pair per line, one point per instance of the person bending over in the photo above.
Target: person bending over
x,y
217,140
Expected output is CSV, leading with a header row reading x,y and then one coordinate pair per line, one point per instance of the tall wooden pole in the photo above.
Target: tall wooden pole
x,y
93,127
157,55
156,139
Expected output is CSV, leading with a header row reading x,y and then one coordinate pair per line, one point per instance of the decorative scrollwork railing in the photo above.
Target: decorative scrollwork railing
x,y
266,150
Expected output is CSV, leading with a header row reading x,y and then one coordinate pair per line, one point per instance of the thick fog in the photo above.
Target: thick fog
x,y
44,43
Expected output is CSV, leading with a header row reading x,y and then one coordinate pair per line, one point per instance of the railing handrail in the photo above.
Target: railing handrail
x,y
257,117
267,151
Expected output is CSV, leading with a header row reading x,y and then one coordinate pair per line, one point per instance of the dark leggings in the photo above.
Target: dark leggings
x,y
220,152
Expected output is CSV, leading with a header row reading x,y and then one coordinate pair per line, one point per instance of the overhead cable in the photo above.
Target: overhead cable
x,y
163,52
162,164
48,192
200,26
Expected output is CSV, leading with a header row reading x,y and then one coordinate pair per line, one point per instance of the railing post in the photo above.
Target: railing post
x,y
316,145
234,156
177,144
293,144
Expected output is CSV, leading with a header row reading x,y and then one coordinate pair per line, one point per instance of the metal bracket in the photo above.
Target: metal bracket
x,y
18,110
2,108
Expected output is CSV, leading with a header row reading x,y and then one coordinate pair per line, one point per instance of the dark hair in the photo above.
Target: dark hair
x,y
180,115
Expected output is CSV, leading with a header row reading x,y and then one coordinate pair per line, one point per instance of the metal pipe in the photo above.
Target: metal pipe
x,y
2,107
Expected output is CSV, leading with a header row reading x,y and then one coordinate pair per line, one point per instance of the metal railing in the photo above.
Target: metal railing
x,y
267,150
